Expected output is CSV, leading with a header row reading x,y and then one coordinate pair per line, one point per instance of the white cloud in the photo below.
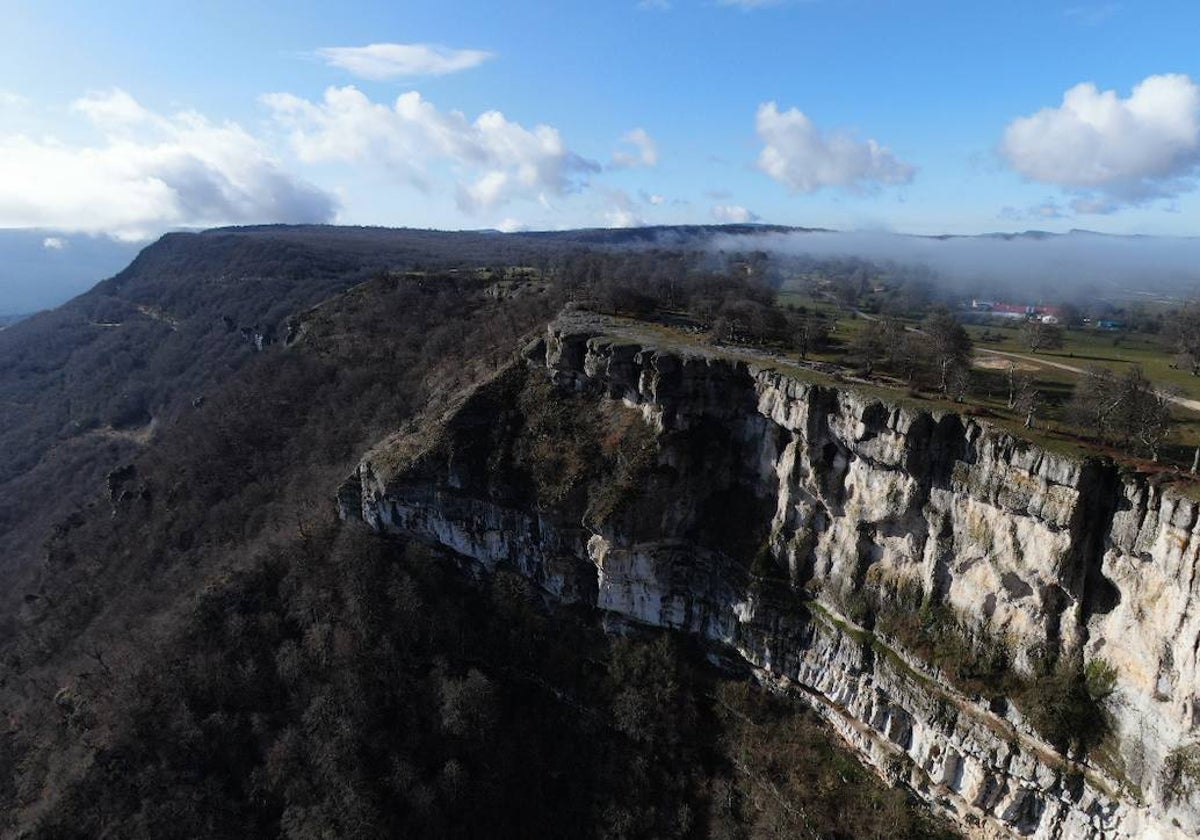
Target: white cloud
x,y
10,100
54,243
621,212
652,198
641,150
392,61
621,217
799,156
146,173
733,214
115,111
1108,149
511,225
494,159
654,5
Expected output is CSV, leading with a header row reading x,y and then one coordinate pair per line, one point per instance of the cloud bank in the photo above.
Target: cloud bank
x,y
394,61
802,158
494,159
148,172
1078,265
1111,151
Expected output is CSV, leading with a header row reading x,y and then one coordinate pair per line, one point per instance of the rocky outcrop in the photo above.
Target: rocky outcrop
x,y
780,516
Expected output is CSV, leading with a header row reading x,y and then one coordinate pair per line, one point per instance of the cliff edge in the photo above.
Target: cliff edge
x,y
1010,632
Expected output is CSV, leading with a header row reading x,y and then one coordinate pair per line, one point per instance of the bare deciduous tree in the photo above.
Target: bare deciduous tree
x,y
877,343
1183,331
1039,335
949,349
1127,409
1023,395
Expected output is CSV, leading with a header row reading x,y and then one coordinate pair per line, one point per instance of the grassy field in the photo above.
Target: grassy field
x,y
846,324
1116,351
989,398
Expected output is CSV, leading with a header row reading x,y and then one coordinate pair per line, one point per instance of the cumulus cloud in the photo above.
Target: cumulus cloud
x,y
146,173
800,156
621,212
640,150
652,198
395,61
114,111
1110,150
495,160
622,217
54,243
733,214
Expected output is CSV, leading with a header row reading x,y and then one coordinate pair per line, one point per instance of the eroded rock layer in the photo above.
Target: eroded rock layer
x,y
802,524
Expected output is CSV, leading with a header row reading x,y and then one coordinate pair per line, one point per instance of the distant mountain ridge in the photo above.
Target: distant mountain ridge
x,y
40,269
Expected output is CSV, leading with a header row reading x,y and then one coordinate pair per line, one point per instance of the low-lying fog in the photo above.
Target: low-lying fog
x,y
1072,266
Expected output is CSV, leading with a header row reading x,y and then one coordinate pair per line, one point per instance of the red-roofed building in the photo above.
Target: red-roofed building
x,y
1013,310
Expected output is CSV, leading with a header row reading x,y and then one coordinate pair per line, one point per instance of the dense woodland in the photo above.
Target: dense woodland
x,y
206,651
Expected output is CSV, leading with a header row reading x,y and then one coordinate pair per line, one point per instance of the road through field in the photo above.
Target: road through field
x,y
1191,405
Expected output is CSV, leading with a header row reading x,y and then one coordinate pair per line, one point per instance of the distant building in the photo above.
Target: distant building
x,y
999,309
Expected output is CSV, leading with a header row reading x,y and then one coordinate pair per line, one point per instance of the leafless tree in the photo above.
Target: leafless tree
x,y
1183,331
1039,335
1023,395
1128,409
877,343
810,331
949,348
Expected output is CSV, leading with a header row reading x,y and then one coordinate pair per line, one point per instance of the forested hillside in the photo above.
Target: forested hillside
x,y
84,387
206,651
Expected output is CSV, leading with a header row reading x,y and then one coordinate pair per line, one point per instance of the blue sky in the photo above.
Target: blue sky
x,y
127,119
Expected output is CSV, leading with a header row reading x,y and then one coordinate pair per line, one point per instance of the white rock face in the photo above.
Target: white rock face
x,y
1041,552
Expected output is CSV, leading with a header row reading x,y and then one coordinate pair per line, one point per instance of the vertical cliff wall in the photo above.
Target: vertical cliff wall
x,y
908,573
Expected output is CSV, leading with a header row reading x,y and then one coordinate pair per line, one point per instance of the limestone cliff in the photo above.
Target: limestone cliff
x,y
820,530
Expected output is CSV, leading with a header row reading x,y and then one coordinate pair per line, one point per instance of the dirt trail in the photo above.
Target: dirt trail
x,y
1191,405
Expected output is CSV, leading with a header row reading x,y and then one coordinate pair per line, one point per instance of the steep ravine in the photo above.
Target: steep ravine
x,y
788,520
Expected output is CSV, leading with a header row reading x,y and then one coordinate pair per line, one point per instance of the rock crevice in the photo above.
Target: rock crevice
x,y
775,515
